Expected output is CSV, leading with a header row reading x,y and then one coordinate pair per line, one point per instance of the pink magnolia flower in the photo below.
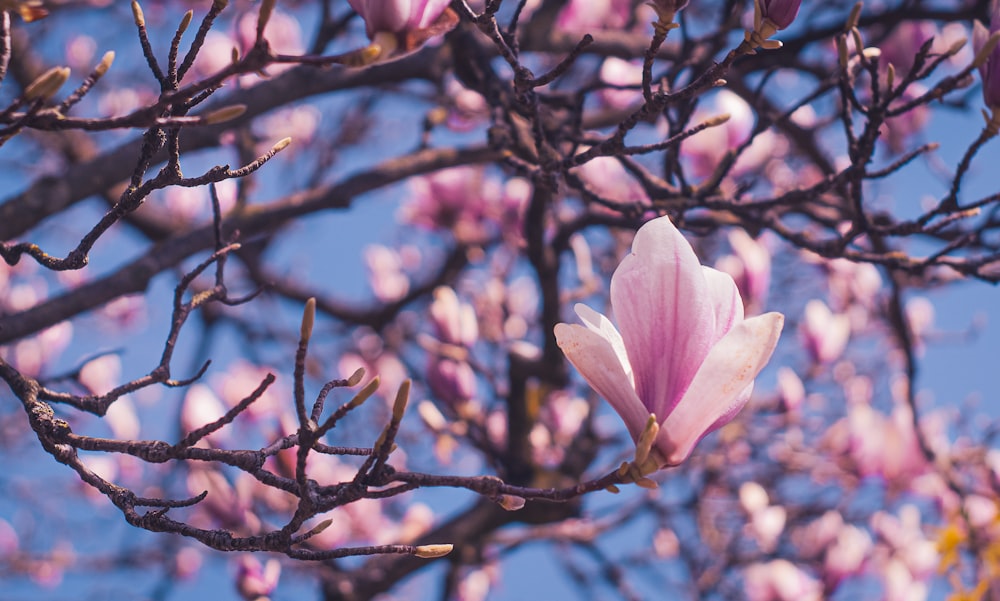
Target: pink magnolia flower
x,y
780,580
684,354
989,70
402,26
779,12
824,334
255,581
590,15
750,267
619,72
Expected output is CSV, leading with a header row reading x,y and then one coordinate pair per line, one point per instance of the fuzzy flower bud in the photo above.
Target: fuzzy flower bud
x,y
988,57
779,12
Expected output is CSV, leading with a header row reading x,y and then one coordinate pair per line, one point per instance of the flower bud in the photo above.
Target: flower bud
x,y
779,12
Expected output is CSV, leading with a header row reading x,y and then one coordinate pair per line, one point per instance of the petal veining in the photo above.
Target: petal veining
x,y
720,387
596,360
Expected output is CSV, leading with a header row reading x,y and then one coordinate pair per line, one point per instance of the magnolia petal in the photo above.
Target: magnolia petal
x,y
426,12
720,387
664,313
596,360
600,324
725,296
382,15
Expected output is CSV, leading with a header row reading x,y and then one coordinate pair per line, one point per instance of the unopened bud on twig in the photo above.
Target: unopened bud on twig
x,y
105,64
402,398
842,52
364,393
137,16
432,551
511,502
281,145
355,378
308,320
47,84
716,120
185,21
852,19
226,113
319,528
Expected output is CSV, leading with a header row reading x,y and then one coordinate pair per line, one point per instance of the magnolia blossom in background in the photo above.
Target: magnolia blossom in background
x,y
780,580
619,72
590,15
255,581
750,268
990,69
767,521
780,13
824,334
685,354
666,9
400,27
608,178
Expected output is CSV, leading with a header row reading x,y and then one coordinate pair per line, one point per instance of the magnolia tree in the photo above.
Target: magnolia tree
x,y
427,299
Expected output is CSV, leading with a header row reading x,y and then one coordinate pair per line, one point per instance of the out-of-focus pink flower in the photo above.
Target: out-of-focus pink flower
x,y
780,13
468,108
225,505
607,178
685,353
454,321
847,555
451,381
900,47
254,581
187,562
851,282
906,540
618,72
402,26
200,408
990,69
824,334
920,317
560,419
898,130
456,199
240,379
9,542
767,521
385,267
283,33
899,584
750,268
780,580
589,15
791,389
707,148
